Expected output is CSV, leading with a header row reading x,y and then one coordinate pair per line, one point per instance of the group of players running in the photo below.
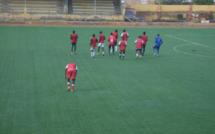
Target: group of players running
x,y
113,46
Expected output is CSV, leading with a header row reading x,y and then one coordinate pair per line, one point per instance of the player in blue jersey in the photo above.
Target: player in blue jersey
x,y
158,43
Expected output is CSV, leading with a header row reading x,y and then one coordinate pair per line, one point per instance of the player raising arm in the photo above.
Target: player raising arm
x,y
70,74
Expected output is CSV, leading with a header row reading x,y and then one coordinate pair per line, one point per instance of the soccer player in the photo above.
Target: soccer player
x,y
158,43
70,75
145,39
101,43
139,44
122,48
115,34
93,43
111,42
74,39
124,35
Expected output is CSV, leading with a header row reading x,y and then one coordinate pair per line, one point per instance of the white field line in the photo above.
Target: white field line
x,y
188,43
175,48
192,42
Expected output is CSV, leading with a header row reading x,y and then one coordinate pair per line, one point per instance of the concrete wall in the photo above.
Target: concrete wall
x,y
172,8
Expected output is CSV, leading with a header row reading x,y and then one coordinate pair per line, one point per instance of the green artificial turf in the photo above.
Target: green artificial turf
x,y
170,94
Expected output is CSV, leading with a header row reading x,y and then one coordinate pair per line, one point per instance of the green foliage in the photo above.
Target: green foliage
x,y
171,2
203,2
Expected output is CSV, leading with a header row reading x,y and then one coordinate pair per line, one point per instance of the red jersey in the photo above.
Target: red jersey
x,y
111,40
101,38
145,39
122,45
139,43
74,38
124,36
115,34
71,70
93,42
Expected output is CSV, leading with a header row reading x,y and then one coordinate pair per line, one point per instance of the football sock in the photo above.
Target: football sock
x,y
73,87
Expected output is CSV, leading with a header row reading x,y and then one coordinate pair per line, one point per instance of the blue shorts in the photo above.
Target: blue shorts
x,y
156,47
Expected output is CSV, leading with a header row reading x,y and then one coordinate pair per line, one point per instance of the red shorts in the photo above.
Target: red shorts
x,y
122,48
111,44
122,51
71,75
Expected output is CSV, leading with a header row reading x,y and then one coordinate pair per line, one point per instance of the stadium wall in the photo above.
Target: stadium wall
x,y
173,12
172,8
82,10
61,10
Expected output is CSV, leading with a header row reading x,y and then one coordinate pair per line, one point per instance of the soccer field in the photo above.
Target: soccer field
x,y
173,93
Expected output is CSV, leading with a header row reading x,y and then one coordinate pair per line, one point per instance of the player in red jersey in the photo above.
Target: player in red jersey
x,y
93,43
70,75
73,40
122,48
101,43
115,34
139,44
111,42
145,39
124,35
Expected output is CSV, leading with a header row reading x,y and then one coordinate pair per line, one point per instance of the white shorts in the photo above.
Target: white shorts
x,y
92,49
101,45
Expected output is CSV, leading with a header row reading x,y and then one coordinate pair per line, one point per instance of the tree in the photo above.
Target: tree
x,y
203,2
171,2
199,2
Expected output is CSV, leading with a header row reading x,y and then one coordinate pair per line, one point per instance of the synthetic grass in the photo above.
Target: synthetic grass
x,y
170,94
